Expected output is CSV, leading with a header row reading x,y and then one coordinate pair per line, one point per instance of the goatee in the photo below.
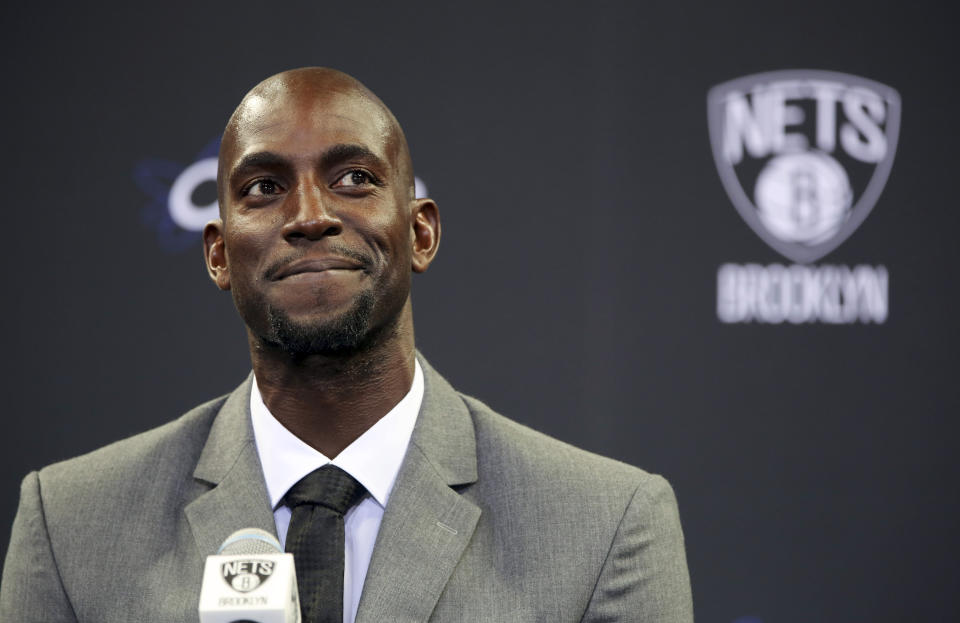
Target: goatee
x,y
342,335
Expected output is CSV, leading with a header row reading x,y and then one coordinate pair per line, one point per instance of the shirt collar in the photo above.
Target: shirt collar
x,y
373,458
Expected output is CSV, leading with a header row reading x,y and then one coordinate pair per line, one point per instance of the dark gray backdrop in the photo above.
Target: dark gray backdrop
x,y
584,222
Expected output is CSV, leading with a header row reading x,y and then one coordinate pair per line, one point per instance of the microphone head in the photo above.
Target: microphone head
x,y
250,541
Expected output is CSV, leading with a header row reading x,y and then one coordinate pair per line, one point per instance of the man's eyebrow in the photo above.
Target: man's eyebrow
x,y
259,160
345,152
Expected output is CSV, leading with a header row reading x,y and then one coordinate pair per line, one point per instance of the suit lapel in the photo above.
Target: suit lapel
x,y
229,463
427,524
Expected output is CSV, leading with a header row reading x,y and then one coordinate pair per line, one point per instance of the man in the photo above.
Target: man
x,y
454,512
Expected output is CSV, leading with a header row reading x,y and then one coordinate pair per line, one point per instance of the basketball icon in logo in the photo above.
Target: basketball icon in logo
x,y
803,154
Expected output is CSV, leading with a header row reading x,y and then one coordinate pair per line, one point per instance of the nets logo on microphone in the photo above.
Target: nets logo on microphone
x,y
804,156
246,575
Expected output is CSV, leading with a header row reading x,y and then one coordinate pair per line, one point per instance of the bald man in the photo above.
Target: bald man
x,y
455,513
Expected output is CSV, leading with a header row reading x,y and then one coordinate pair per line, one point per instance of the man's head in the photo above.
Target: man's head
x,y
319,227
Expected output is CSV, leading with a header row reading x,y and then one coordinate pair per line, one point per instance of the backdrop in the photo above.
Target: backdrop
x,y
753,294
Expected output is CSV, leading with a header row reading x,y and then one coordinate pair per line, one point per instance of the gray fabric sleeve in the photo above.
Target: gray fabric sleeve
x,y
31,590
645,578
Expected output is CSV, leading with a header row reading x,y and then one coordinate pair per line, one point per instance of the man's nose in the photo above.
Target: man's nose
x,y
312,217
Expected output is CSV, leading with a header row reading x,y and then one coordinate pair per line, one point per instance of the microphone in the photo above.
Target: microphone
x,y
249,580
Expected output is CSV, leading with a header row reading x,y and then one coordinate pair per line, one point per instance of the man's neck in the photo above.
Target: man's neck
x,y
329,401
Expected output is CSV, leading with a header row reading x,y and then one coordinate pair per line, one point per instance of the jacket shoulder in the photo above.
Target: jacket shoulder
x,y
609,533
118,471
554,469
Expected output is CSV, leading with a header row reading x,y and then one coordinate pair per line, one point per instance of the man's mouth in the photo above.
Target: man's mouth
x,y
315,265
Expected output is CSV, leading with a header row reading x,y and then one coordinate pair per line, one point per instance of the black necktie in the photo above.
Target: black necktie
x,y
316,540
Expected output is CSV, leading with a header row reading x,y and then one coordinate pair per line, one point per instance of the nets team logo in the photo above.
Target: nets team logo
x,y
246,575
803,156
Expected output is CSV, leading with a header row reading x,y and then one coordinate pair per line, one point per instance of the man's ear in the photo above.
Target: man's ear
x,y
215,254
425,233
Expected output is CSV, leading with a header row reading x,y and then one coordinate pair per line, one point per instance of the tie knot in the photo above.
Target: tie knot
x,y
328,486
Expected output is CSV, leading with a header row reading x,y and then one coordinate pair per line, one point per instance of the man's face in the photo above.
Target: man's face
x,y
317,228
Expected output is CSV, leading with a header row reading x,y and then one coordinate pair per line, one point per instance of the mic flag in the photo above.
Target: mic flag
x,y
249,580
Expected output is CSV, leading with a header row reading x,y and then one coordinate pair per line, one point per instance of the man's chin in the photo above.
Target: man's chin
x,y
340,335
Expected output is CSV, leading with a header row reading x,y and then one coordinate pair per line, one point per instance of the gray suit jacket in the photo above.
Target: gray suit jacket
x,y
488,521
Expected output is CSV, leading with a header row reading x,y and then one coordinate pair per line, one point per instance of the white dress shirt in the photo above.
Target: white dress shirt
x,y
373,459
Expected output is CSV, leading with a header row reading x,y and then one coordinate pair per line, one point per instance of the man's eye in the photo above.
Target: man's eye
x,y
262,188
356,177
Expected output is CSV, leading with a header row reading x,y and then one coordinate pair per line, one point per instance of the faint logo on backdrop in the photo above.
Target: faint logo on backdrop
x,y
182,199
803,156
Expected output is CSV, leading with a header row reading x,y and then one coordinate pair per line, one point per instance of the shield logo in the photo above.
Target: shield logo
x,y
803,154
246,575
